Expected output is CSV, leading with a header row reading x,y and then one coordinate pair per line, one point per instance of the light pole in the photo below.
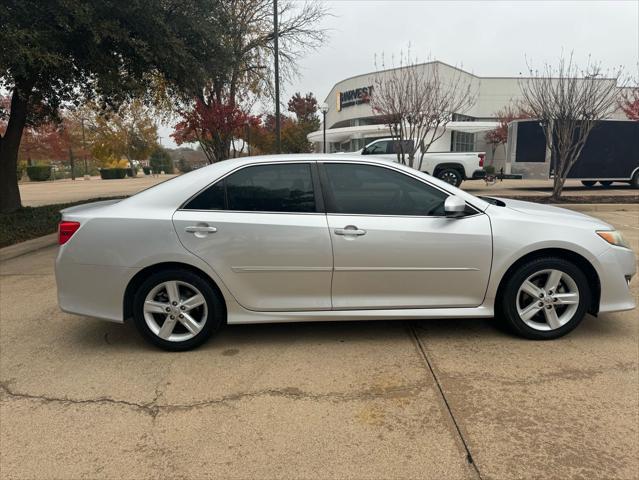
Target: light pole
x,y
324,112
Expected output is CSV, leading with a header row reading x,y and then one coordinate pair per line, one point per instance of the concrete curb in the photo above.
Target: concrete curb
x,y
599,207
29,246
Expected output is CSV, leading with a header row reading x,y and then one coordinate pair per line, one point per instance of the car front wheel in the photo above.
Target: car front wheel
x,y
545,298
177,310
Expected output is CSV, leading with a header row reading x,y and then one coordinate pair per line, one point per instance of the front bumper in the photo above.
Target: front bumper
x,y
617,264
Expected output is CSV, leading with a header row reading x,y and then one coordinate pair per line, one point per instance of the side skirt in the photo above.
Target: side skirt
x,y
243,316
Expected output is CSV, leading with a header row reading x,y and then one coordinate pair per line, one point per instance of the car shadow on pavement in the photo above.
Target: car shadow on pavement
x,y
92,334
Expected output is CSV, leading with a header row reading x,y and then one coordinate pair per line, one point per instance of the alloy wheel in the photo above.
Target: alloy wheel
x,y
175,311
547,300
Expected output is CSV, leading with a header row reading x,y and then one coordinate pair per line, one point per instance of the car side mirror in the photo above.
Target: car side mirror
x,y
454,206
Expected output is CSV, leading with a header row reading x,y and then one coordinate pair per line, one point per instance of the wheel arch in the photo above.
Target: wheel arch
x,y
580,261
143,274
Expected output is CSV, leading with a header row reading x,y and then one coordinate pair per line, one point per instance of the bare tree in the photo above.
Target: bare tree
x,y
417,101
569,102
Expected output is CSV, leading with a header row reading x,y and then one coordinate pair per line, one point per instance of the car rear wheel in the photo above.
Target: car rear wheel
x,y
635,180
545,298
450,175
588,183
177,310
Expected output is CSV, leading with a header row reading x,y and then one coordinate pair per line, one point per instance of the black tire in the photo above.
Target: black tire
x,y
215,311
634,183
507,306
605,183
588,183
450,175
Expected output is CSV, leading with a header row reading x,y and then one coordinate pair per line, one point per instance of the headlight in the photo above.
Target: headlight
x,y
613,237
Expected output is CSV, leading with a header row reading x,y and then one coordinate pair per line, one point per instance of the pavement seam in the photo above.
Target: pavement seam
x,y
152,408
424,355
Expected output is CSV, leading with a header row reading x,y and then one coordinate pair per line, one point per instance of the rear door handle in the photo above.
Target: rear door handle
x,y
200,229
349,230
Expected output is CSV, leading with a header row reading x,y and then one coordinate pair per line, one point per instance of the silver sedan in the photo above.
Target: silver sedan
x,y
299,238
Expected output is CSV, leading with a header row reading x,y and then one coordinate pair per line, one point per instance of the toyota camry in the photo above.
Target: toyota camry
x,y
296,238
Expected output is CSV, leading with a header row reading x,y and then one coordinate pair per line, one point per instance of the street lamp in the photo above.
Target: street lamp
x,y
324,110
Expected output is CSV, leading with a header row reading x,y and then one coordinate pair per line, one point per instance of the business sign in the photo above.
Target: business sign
x,y
356,96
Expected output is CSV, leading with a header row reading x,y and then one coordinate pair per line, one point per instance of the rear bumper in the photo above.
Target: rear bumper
x,y
92,290
617,264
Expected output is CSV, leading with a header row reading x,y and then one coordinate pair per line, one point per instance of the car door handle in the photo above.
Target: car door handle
x,y
349,230
200,229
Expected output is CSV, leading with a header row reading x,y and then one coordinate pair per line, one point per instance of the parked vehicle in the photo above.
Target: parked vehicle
x,y
325,237
610,154
451,167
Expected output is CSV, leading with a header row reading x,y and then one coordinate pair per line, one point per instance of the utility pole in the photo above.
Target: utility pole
x,y
84,150
278,137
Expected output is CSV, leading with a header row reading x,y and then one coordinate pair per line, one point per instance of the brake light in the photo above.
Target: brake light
x,y
481,159
66,231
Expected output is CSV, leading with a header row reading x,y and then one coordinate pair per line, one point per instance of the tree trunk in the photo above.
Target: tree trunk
x,y
557,187
9,146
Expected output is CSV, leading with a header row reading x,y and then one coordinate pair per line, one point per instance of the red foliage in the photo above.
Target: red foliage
x,y
304,107
499,135
630,104
206,121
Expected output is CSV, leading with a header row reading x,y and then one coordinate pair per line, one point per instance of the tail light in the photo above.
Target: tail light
x,y
481,159
66,231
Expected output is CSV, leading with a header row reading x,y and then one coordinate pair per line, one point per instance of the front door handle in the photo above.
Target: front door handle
x,y
349,230
200,229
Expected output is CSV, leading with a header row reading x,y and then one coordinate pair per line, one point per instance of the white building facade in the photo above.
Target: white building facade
x,y
351,122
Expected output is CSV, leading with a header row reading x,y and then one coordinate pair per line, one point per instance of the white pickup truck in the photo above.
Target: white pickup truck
x,y
452,167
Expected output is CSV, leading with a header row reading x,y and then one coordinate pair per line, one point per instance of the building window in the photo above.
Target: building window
x,y
462,142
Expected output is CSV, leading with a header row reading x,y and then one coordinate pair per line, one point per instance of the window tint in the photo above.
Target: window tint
x,y
372,190
265,188
210,199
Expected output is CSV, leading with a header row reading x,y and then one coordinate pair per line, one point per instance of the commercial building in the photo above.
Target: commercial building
x,y
351,122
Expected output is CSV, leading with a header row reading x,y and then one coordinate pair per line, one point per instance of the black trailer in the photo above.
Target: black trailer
x,y
611,153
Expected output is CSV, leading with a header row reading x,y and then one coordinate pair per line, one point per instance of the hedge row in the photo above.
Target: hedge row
x,y
112,173
39,173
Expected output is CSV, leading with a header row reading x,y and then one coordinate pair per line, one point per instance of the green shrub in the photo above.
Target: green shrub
x,y
112,173
160,161
146,170
489,169
39,173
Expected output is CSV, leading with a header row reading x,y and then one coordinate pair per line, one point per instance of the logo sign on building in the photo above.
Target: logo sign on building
x,y
356,96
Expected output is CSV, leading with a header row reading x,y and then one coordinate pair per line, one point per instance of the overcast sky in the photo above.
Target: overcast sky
x,y
486,38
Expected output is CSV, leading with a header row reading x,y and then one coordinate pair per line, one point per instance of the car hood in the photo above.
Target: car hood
x,y
552,213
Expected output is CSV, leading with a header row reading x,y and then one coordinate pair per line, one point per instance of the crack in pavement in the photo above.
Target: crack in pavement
x,y
153,408
412,332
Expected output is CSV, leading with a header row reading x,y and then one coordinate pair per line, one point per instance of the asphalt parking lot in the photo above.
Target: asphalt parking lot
x,y
452,399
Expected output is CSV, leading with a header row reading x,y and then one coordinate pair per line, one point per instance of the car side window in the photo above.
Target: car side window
x,y
261,188
372,190
377,148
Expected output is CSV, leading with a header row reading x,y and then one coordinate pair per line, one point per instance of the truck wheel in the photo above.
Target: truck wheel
x,y
588,183
605,183
634,183
450,175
